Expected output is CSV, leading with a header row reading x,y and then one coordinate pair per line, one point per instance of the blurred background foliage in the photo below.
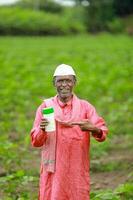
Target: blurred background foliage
x,y
47,17
95,38
103,64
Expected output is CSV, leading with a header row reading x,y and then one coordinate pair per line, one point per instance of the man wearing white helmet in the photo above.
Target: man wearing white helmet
x,y
65,151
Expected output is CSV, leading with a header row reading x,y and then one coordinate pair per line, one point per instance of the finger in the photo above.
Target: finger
x,y
81,122
43,125
83,128
77,123
44,120
86,127
67,124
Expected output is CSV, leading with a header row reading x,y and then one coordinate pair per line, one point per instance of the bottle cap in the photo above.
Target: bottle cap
x,y
48,110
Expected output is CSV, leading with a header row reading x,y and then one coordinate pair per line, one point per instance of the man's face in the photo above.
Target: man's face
x,y
64,85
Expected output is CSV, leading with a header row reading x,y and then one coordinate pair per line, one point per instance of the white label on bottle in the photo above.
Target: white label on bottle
x,y
51,125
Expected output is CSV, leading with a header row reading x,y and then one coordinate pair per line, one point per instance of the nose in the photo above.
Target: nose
x,y
64,82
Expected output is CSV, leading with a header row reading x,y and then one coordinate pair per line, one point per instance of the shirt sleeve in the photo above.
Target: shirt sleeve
x,y
38,136
98,121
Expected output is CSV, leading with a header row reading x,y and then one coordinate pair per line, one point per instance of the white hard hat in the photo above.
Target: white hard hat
x,y
64,69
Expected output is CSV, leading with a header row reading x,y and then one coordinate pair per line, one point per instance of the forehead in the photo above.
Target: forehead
x,y
70,77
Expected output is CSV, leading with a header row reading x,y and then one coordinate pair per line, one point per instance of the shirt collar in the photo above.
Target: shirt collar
x,y
62,105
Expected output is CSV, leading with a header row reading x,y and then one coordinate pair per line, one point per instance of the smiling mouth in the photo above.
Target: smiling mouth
x,y
64,91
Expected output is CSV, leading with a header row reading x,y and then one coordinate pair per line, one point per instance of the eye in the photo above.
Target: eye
x,y
68,81
59,81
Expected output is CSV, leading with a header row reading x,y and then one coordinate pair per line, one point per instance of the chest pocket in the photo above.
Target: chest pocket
x,y
74,133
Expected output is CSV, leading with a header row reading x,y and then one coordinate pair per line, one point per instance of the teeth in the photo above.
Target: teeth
x,y
64,90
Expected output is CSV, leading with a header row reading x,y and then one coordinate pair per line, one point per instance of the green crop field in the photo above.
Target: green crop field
x,y
104,67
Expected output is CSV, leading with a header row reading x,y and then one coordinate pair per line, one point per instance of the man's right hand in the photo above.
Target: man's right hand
x,y
43,124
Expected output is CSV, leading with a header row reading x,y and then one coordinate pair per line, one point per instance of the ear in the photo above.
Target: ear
x,y
53,81
75,80
54,78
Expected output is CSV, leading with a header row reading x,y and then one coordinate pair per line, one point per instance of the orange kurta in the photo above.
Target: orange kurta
x,y
70,181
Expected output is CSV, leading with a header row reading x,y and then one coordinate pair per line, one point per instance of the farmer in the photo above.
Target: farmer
x,y
64,173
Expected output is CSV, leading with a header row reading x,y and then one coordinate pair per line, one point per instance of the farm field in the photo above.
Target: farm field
x,y
104,66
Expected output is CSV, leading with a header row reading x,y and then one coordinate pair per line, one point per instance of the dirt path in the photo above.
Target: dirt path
x,y
122,159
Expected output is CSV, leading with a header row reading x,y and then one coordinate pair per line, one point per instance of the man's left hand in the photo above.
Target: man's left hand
x,y
87,126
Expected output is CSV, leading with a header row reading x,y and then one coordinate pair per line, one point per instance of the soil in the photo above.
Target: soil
x,y
109,180
112,179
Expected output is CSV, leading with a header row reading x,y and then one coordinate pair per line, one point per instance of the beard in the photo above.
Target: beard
x,y
64,94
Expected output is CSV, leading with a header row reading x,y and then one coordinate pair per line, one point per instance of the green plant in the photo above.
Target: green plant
x,y
125,191
17,21
115,26
98,13
47,5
